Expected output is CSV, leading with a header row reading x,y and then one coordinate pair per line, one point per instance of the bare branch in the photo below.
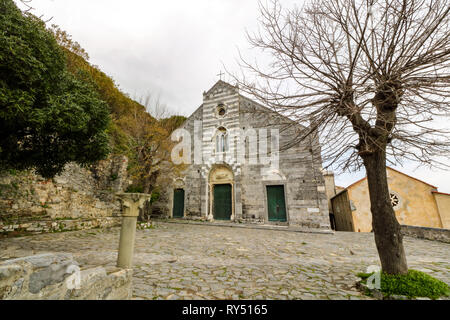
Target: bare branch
x,y
368,75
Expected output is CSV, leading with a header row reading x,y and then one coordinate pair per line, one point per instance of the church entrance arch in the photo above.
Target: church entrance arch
x,y
178,198
221,181
178,203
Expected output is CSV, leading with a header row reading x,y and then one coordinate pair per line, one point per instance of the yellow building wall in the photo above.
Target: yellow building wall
x,y
417,206
360,200
443,204
342,214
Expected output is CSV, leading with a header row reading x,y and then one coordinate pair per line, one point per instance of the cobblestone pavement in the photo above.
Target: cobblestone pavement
x,y
181,261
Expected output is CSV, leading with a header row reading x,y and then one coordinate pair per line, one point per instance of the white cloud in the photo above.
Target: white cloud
x,y
174,48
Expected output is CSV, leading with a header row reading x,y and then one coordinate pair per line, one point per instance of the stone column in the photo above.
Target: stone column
x,y
131,203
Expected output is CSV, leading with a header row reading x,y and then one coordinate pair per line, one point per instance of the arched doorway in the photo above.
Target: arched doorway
x,y
178,198
178,203
221,181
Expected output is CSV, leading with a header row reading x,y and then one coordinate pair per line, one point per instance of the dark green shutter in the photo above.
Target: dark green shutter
x,y
275,203
222,201
178,203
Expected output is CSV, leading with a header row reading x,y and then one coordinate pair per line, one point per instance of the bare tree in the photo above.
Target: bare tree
x,y
27,5
148,125
372,77
155,107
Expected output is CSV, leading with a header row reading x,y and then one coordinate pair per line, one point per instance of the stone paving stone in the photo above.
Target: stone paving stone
x,y
180,261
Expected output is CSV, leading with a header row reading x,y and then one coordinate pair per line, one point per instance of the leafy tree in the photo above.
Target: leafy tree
x,y
48,117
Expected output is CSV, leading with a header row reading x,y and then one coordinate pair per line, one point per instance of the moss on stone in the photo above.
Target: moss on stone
x,y
413,284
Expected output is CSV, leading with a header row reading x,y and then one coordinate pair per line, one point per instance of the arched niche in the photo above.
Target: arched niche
x,y
178,183
219,176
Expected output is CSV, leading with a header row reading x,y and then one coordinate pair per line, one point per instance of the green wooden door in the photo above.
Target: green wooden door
x,y
222,201
275,203
178,203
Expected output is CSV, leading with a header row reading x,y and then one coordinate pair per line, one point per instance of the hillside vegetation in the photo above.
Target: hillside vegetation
x,y
48,117
133,131
55,107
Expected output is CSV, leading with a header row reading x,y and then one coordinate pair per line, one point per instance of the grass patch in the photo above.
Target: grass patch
x,y
413,284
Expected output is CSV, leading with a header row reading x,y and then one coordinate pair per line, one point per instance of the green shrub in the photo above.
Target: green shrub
x,y
48,117
155,196
413,284
134,189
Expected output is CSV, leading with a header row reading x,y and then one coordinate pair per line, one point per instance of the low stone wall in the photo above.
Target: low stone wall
x,y
57,277
437,234
44,226
76,193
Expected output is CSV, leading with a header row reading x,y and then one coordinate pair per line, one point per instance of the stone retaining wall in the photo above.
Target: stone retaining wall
x,y
57,277
44,226
437,234
78,198
76,193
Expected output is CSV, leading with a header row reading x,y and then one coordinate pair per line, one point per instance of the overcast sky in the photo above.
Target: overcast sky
x,y
172,48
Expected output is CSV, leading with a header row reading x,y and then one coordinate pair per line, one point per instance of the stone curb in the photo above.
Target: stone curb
x,y
248,226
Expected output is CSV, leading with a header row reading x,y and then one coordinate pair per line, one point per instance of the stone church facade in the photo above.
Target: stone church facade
x,y
273,187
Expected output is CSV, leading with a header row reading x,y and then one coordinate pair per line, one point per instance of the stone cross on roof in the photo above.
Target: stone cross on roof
x,y
220,74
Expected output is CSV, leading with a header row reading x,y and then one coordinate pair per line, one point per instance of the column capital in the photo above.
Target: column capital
x,y
132,202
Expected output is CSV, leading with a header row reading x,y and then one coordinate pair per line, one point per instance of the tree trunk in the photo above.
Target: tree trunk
x,y
386,228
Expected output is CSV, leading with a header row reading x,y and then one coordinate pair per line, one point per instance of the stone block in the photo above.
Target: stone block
x,y
42,260
52,274
45,277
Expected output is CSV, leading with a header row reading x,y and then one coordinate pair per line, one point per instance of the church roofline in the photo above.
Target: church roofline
x,y
223,83
218,83
193,113
388,167
272,111
437,192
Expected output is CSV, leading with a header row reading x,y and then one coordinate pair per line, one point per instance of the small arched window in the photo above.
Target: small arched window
x,y
221,140
221,110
